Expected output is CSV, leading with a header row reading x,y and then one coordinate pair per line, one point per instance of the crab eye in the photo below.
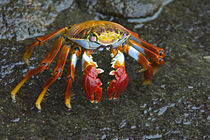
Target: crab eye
x,y
92,38
123,36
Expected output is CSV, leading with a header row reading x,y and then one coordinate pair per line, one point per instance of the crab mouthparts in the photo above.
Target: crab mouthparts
x,y
108,41
108,38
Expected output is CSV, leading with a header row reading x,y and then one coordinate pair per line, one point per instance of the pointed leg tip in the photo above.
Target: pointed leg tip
x,y
68,105
13,97
141,70
92,101
146,82
26,61
38,106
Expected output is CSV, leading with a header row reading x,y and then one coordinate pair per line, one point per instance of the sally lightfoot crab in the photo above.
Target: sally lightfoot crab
x,y
88,37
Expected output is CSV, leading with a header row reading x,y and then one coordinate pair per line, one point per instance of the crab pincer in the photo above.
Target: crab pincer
x,y
91,83
118,85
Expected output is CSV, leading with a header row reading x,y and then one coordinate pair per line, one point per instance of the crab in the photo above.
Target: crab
x,y
85,39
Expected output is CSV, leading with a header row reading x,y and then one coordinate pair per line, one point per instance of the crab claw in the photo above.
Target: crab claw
x,y
119,85
91,83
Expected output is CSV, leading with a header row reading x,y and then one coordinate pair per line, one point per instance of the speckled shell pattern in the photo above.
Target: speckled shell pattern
x,y
81,30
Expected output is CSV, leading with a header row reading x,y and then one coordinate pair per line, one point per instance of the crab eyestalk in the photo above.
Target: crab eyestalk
x,y
91,83
118,85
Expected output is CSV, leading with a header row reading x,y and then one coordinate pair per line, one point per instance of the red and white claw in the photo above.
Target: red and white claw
x,y
118,85
91,83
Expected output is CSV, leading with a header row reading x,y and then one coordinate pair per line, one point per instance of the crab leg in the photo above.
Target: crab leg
x,y
157,60
56,73
91,83
158,51
150,54
70,77
40,41
44,64
141,59
118,85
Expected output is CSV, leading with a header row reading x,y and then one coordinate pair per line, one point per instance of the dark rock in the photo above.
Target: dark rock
x,y
123,8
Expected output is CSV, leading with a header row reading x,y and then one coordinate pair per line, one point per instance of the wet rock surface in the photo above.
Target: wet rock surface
x,y
174,106
123,8
21,19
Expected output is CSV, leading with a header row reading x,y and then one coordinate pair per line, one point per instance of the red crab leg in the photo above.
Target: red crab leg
x,y
70,77
158,51
150,54
44,64
56,73
40,41
91,83
141,59
157,60
118,85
